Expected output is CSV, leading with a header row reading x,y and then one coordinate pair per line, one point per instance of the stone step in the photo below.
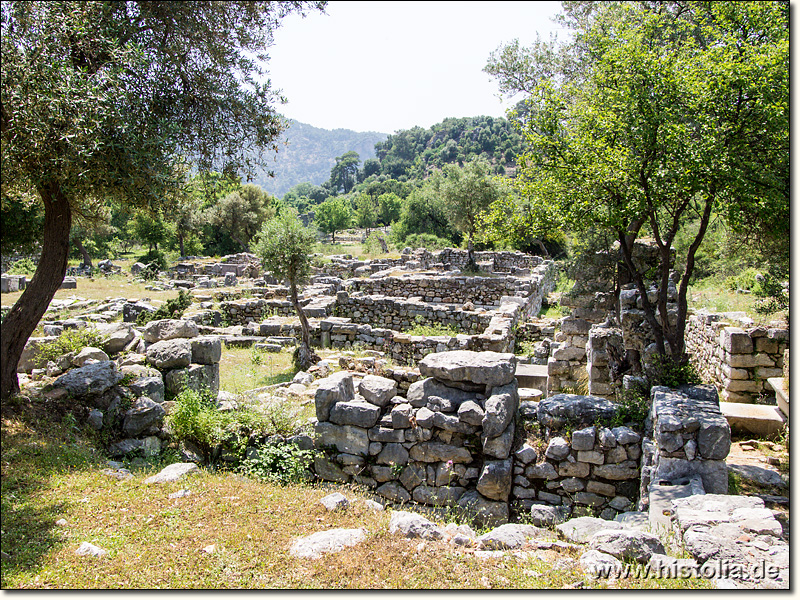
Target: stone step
x,y
532,376
529,394
758,419
781,393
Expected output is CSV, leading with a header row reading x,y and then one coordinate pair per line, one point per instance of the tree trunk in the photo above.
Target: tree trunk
x,y
31,306
87,260
180,245
241,243
305,356
471,266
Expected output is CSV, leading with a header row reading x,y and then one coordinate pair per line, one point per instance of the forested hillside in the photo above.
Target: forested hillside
x,y
307,155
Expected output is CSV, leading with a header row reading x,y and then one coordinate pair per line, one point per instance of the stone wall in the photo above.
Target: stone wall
x,y
566,367
574,461
446,443
738,360
690,439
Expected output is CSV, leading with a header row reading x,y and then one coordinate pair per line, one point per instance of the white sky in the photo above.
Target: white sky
x,y
387,66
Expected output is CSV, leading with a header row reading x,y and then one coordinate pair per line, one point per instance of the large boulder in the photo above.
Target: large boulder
x,y
335,388
115,336
152,387
346,438
420,391
355,412
499,410
495,479
206,350
324,542
486,368
89,354
141,416
511,536
581,529
92,380
579,411
169,329
487,512
413,525
626,544
170,354
173,472
378,390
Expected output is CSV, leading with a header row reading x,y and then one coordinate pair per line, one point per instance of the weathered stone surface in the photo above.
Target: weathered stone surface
x,y
346,438
401,415
125,447
325,542
413,525
394,492
355,412
115,336
598,487
412,476
329,471
393,454
425,417
437,496
487,368
206,350
170,354
92,380
573,484
386,434
543,470
557,449
194,377
152,387
335,388
558,410
141,416
606,437
377,390
499,409
470,412
485,511
87,355
436,452
627,545
573,469
526,454
419,392
495,479
590,456
173,472
451,423
617,472
511,536
500,446
168,329
599,564
580,530
87,549
545,515
583,439
335,501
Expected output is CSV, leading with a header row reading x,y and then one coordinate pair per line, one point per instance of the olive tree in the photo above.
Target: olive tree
x,y
101,100
285,248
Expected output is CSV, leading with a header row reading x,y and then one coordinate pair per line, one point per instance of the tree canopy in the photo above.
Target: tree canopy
x,y
654,115
101,100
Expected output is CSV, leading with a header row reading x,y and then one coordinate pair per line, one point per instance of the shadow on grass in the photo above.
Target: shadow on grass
x,y
34,449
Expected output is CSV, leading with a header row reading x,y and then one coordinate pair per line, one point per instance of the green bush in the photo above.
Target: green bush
x,y
24,266
426,240
71,340
663,370
285,463
171,309
744,281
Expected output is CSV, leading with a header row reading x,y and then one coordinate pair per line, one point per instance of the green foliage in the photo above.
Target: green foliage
x,y
467,192
632,407
241,213
664,370
333,215
425,240
422,329
772,293
372,244
283,464
424,212
344,173
171,309
652,118
70,340
195,418
743,281
24,266
285,247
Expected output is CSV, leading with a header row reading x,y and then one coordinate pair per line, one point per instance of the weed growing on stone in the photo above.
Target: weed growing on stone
x,y
282,464
70,340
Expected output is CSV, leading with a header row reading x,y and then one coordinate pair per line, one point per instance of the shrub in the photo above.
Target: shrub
x,y
71,340
426,240
171,309
23,266
195,418
285,463
663,370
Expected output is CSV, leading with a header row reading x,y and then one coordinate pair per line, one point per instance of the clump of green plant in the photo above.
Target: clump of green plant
x,y
373,245
664,370
772,295
23,266
632,407
196,418
70,340
281,463
746,280
171,309
433,330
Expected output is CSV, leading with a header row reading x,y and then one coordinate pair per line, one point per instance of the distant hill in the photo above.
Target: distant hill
x,y
310,152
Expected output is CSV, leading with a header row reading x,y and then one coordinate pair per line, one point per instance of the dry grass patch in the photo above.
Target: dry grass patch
x,y
242,369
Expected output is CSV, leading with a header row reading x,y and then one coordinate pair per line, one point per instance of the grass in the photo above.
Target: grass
x,y
229,532
713,296
433,330
244,369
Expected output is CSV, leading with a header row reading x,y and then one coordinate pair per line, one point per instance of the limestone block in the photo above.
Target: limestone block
x,y
335,388
495,479
355,412
173,353
583,439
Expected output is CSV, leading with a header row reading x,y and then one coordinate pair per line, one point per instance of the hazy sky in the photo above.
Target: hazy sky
x,y
386,66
